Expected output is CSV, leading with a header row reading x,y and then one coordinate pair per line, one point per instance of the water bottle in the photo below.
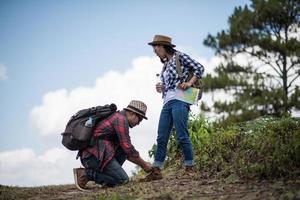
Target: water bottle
x,y
89,122
158,79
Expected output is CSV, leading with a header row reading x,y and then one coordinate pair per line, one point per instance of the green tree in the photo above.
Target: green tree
x,y
267,32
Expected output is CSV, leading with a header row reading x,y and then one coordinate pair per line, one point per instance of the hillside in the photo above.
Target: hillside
x,y
168,188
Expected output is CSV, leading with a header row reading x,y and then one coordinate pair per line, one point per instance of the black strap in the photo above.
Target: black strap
x,y
78,154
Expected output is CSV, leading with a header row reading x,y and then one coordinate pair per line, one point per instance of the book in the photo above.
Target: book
x,y
189,95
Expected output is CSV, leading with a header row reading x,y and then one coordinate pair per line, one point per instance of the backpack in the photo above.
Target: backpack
x,y
198,83
79,129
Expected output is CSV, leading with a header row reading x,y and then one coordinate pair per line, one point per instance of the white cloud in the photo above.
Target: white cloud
x,y
3,74
138,82
24,168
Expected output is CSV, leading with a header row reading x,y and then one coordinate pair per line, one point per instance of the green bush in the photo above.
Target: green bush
x,y
262,148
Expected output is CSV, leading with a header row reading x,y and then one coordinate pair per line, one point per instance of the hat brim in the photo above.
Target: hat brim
x,y
140,114
161,43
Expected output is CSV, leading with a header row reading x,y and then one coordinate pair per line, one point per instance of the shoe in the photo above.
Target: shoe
x,y
189,171
80,178
154,175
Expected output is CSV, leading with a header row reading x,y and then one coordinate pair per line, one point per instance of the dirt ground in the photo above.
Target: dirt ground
x,y
168,188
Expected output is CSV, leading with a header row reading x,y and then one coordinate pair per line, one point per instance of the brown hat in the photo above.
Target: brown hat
x,y
163,40
137,107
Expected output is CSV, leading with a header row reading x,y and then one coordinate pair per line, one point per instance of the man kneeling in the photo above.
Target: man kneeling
x,y
103,160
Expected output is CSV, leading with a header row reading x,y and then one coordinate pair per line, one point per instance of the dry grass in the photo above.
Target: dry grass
x,y
171,187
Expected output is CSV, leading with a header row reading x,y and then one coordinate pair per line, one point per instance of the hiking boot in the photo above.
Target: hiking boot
x,y
154,175
189,171
80,178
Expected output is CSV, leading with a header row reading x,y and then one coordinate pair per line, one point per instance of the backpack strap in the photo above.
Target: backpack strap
x,y
178,67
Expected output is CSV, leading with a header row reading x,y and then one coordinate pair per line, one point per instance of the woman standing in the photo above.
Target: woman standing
x,y
175,112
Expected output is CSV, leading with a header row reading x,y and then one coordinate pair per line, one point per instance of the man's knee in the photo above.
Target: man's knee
x,y
124,180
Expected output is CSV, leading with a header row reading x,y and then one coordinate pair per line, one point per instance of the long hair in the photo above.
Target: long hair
x,y
169,50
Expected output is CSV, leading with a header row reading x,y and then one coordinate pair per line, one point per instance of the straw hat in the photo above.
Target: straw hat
x,y
163,40
137,107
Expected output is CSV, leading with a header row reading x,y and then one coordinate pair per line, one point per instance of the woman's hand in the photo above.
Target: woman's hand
x,y
185,85
159,87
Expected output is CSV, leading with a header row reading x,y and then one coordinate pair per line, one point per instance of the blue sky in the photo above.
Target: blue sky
x,y
50,45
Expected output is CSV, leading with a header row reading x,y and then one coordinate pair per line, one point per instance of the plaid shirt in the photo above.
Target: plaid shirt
x,y
116,128
187,64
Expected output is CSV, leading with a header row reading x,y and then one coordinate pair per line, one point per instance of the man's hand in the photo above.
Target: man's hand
x,y
147,167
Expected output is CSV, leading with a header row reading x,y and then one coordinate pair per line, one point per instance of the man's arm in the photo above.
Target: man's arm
x,y
146,166
122,131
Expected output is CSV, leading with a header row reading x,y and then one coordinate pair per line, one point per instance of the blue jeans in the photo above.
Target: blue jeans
x,y
175,113
113,173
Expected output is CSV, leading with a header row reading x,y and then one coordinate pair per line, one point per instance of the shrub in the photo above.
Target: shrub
x,y
266,148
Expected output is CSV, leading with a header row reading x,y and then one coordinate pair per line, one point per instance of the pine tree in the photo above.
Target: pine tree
x,y
267,33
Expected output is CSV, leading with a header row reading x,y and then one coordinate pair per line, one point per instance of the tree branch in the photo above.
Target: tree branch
x,y
292,65
277,63
265,61
292,90
293,74
294,79
273,67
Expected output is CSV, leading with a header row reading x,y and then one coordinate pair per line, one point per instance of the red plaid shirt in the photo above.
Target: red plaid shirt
x,y
116,126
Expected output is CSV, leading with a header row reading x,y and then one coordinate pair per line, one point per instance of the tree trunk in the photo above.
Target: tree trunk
x,y
285,75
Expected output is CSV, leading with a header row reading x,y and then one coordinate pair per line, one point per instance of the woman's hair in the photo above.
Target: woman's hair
x,y
169,50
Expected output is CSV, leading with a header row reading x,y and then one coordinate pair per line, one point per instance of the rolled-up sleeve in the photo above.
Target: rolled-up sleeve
x,y
122,132
192,64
